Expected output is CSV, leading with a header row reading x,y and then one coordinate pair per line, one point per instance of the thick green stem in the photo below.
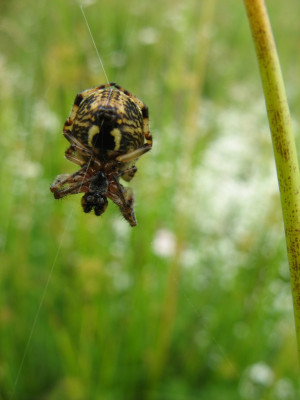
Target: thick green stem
x,y
283,141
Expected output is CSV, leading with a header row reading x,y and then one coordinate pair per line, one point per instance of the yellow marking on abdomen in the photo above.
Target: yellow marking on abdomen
x,y
94,130
116,133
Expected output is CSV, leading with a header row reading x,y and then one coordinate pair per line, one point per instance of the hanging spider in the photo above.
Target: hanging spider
x,y
108,129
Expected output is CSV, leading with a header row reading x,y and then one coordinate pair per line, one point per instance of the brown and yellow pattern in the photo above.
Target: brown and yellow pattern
x,y
108,129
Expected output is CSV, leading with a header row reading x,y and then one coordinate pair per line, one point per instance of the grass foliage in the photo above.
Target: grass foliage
x,y
193,303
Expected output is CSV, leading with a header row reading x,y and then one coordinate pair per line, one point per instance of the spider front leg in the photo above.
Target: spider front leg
x,y
65,184
135,154
76,143
78,155
130,157
128,173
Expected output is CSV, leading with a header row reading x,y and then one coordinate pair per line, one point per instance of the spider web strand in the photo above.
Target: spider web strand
x,y
94,43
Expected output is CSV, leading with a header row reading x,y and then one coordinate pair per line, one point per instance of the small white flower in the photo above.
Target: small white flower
x,y
148,35
164,243
261,373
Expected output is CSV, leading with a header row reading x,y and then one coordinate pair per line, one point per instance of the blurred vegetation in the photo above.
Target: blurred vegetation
x,y
193,303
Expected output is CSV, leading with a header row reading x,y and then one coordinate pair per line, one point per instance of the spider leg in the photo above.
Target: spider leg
x,y
123,198
65,184
128,174
76,156
77,153
77,145
133,155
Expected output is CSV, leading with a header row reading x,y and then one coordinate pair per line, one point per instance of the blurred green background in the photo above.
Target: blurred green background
x,y
194,302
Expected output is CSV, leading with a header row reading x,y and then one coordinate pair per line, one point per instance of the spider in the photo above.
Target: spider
x,y
108,129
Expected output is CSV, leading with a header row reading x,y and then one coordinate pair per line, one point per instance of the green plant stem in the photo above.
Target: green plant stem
x,y
283,141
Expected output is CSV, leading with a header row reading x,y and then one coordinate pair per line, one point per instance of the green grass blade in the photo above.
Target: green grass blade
x,y
283,140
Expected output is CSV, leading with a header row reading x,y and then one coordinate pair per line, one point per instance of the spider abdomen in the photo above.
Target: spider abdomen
x,y
108,121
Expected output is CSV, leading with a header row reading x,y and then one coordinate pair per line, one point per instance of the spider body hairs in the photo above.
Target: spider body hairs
x,y
108,130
